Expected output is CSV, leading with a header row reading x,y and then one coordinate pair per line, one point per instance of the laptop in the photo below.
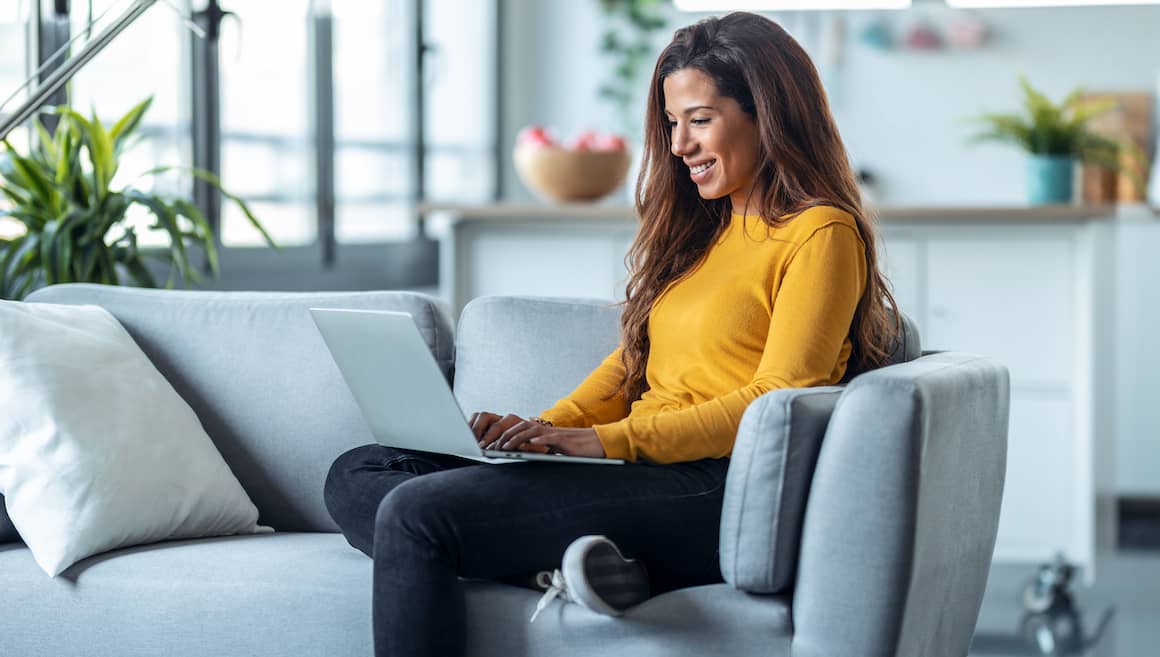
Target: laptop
x,y
401,391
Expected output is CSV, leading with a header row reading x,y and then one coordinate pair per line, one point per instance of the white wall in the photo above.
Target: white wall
x,y
901,112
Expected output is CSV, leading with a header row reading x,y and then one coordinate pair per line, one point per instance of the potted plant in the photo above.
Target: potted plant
x,y
1055,137
627,40
630,27
72,223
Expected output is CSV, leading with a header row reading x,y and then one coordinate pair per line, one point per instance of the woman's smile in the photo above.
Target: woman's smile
x,y
702,172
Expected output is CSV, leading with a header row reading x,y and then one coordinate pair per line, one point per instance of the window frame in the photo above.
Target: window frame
x,y
324,263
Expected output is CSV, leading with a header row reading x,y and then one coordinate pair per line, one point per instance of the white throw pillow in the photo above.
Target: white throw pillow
x,y
97,450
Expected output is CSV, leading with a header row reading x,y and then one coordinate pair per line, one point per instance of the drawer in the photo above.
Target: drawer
x,y
1008,297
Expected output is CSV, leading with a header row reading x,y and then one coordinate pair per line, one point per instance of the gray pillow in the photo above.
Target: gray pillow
x,y
7,531
768,482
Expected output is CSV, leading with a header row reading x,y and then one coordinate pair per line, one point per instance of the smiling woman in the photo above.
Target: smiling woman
x,y
754,270
715,138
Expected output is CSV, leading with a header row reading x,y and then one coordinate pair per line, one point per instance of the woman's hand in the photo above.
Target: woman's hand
x,y
512,432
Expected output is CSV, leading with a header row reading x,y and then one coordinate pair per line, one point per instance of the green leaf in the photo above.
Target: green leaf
x,y
130,256
107,268
128,123
103,154
20,264
168,220
213,180
45,142
202,232
34,181
62,262
65,163
47,251
16,196
88,261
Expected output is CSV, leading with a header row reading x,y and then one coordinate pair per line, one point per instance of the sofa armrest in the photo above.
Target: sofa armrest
x,y
904,510
767,485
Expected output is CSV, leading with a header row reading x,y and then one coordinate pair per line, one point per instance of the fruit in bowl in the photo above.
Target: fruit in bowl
x,y
586,168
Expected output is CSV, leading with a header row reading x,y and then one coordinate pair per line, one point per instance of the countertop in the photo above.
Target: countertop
x,y
601,212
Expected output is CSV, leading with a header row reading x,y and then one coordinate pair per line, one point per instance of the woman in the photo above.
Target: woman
x,y
754,269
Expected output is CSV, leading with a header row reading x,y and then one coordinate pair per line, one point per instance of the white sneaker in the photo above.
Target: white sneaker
x,y
595,575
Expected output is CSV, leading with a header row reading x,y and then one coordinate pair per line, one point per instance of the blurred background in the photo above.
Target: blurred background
x,y
377,142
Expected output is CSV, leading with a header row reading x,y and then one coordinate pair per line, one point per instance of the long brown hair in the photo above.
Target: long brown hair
x,y
752,60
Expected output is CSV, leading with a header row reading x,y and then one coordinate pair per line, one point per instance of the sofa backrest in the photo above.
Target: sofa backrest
x,y
257,373
521,354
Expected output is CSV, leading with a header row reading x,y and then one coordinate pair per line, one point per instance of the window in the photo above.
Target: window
x,y
267,141
461,106
319,114
103,85
374,119
14,69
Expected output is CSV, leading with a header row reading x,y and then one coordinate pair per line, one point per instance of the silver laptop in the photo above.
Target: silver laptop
x,y
401,391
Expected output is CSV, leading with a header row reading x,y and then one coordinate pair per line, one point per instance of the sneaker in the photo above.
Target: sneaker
x,y
595,575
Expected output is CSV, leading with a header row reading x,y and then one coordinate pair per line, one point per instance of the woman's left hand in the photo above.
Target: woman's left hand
x,y
536,437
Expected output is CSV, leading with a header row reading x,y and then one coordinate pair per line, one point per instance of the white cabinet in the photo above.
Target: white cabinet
x,y
1034,292
1037,298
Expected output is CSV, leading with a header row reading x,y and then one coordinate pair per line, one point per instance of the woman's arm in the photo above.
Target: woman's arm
x,y
810,322
586,406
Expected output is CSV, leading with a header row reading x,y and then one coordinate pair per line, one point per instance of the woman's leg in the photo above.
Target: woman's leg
x,y
496,521
360,478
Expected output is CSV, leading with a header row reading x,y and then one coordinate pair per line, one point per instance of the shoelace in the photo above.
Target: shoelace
x,y
556,588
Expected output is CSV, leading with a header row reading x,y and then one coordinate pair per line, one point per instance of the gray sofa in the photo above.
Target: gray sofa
x,y
859,520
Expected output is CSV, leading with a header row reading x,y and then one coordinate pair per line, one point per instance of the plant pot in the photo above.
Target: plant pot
x,y
1049,179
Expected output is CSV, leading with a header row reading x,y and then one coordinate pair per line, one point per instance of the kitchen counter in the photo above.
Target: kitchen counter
x,y
602,212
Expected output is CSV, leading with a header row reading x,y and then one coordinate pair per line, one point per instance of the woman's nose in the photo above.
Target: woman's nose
x,y
681,145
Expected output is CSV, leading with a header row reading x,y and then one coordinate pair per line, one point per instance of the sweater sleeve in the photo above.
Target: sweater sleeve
x,y
586,406
810,321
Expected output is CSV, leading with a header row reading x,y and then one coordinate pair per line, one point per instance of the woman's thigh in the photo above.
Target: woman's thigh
x,y
502,520
360,478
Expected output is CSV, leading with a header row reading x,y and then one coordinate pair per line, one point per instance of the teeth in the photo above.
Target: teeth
x,y
701,167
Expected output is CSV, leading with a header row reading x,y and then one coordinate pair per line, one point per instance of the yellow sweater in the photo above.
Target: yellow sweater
x,y
763,309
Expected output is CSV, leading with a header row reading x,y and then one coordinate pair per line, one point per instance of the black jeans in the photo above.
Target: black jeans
x,y
429,519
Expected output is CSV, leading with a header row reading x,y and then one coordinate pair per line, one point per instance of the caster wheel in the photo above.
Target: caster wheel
x,y
1037,598
1056,632
1050,587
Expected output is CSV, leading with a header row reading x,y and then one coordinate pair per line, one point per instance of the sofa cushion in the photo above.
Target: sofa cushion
x,y
261,380
521,354
97,451
692,622
309,595
768,482
301,594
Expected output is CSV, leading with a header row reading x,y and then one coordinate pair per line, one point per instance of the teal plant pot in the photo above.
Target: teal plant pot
x,y
1049,179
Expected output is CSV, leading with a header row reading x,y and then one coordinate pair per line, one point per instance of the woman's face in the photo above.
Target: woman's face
x,y
708,129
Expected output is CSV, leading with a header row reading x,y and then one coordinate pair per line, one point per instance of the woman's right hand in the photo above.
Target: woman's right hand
x,y
488,427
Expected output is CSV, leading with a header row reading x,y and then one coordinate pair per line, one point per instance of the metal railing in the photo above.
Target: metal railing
x,y
60,76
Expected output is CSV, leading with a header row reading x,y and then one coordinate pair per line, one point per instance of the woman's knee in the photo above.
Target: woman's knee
x,y
415,511
342,477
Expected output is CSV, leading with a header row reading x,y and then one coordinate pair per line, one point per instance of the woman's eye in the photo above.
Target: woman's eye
x,y
673,124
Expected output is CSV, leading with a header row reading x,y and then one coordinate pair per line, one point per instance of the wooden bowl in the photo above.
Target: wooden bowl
x,y
562,174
